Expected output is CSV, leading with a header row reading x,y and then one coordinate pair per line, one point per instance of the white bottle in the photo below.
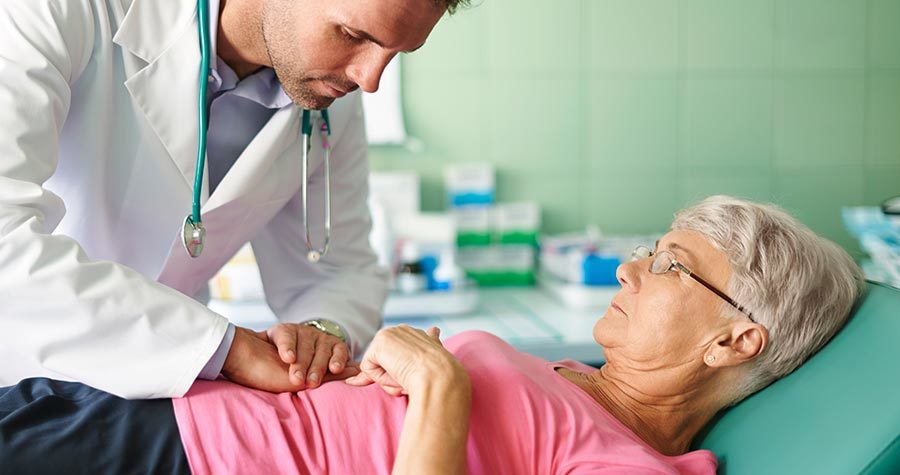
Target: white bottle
x,y
410,277
448,275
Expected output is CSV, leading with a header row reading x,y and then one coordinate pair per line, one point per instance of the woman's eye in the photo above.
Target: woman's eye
x,y
671,271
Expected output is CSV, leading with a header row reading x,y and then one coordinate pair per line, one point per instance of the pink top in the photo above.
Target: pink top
x,y
526,418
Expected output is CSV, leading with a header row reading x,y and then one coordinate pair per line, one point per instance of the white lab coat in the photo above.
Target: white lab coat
x,y
98,135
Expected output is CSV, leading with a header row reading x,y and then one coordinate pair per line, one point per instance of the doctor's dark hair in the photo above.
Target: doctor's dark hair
x,y
798,285
452,5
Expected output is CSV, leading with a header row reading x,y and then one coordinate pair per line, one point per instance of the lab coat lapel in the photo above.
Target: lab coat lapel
x,y
262,179
164,34
252,177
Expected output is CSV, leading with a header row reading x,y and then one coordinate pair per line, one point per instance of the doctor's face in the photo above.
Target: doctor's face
x,y
322,49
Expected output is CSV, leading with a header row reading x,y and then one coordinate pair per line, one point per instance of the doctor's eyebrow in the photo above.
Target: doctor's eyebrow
x,y
366,36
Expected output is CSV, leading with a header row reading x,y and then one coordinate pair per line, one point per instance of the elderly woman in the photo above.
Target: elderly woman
x,y
735,296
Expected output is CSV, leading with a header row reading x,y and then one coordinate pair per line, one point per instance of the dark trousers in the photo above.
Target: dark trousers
x,y
49,426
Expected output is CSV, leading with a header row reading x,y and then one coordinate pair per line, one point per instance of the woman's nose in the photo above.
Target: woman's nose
x,y
628,274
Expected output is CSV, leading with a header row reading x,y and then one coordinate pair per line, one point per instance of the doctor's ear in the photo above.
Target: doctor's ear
x,y
744,343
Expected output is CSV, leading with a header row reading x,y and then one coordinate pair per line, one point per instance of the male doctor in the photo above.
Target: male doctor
x,y
98,140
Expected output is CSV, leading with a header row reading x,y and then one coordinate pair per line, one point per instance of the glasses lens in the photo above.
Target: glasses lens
x,y
640,252
661,263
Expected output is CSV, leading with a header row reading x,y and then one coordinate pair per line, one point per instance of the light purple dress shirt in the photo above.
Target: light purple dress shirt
x,y
238,111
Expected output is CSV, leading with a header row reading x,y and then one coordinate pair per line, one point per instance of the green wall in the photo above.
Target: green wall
x,y
621,112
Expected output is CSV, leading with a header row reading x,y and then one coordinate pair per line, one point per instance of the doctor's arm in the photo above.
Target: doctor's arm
x,y
65,315
346,286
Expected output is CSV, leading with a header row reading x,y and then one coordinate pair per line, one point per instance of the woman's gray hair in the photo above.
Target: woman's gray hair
x,y
798,285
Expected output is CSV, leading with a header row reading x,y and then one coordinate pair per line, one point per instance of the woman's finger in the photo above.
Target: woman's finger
x,y
349,371
393,391
361,379
375,373
435,334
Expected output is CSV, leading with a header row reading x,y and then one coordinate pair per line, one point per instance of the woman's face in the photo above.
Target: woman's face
x,y
666,320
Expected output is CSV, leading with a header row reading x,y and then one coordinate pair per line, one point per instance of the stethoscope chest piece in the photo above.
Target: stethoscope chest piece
x,y
194,235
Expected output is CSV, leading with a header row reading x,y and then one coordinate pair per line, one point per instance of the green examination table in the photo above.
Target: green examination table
x,y
837,414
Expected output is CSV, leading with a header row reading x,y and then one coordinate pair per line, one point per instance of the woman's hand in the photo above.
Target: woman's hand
x,y
403,360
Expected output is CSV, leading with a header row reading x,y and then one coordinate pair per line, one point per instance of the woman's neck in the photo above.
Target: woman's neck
x,y
668,423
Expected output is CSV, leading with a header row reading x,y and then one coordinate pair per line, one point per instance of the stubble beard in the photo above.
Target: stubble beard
x,y
293,82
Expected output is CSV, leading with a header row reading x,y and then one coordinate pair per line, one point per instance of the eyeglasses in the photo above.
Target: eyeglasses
x,y
664,261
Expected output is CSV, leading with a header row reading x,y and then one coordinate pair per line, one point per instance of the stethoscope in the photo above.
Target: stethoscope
x,y
193,232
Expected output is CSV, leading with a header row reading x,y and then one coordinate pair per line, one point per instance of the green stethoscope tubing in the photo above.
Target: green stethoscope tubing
x,y
202,109
193,232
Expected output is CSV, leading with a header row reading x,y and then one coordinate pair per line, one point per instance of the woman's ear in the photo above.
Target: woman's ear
x,y
744,343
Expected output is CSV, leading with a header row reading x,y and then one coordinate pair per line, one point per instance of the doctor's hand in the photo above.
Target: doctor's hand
x,y
406,360
313,355
254,361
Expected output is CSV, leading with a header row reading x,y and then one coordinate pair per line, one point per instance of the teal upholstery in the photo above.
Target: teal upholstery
x,y
838,413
